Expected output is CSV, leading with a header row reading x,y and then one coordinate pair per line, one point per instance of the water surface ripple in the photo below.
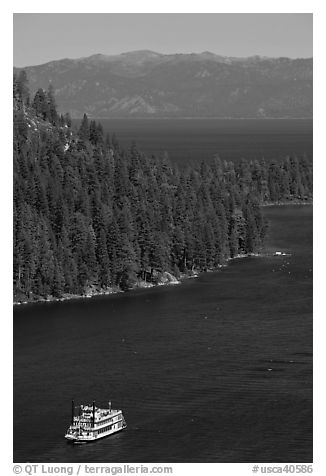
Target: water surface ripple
x,y
217,369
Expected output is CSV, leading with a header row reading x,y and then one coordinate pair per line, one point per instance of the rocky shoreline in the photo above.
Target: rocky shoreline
x,y
287,203
166,279
95,290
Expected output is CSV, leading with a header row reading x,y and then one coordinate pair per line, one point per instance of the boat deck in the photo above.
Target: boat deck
x,y
101,415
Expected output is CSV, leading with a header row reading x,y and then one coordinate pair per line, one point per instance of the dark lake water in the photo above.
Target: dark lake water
x,y
194,140
188,364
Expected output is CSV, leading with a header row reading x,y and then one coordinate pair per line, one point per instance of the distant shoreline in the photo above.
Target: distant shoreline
x,y
189,118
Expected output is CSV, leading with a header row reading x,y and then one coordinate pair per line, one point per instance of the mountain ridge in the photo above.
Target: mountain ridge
x,y
145,83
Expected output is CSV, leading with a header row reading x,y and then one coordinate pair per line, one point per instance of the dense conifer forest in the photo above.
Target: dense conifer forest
x,y
89,214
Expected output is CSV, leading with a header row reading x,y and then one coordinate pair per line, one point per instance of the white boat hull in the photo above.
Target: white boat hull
x,y
85,439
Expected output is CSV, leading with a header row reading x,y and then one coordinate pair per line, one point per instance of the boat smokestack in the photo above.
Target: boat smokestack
x,y
110,406
93,413
72,411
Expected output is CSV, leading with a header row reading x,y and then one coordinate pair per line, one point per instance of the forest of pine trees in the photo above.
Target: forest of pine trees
x,y
88,213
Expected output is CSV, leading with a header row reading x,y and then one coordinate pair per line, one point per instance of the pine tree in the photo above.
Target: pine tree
x,y
103,259
52,109
84,130
40,104
21,91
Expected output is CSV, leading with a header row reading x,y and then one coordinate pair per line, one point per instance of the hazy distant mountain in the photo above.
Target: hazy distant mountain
x,y
149,84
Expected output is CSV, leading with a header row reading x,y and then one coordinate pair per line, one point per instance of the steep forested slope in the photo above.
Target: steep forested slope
x,y
88,213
